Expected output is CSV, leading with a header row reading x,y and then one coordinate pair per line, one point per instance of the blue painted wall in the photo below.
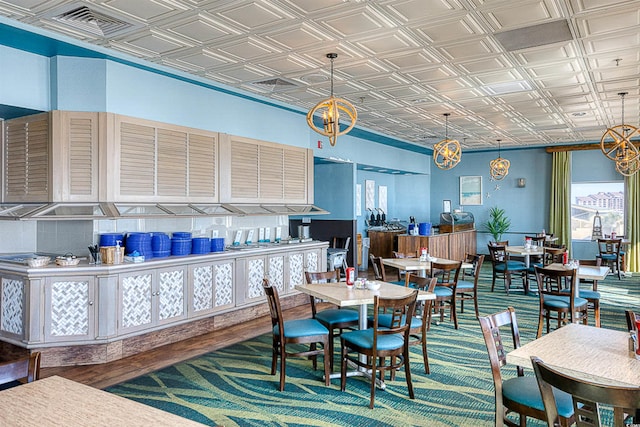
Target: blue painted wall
x,y
24,79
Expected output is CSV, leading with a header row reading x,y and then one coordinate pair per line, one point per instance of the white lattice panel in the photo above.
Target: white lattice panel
x,y
202,288
171,294
12,306
136,300
296,270
69,308
255,274
312,261
224,284
276,272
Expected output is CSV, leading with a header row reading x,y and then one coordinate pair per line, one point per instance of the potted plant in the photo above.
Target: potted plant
x,y
498,223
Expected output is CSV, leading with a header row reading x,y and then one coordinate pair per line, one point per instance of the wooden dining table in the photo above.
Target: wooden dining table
x,y
525,252
595,354
56,401
587,272
414,264
343,296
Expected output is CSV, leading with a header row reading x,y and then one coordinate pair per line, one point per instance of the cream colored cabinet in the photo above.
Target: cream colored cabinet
x,y
52,157
258,267
151,297
211,287
70,306
161,162
13,306
255,171
301,262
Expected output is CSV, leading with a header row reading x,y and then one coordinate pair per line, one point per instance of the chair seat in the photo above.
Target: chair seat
x,y
586,293
397,282
443,291
464,285
524,390
332,316
302,328
532,267
553,301
609,257
511,265
364,339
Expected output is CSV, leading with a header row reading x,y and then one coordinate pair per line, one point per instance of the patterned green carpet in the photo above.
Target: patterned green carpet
x,y
233,387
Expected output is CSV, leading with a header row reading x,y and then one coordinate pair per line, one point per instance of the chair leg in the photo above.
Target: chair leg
x,y
425,356
343,366
475,303
283,358
596,311
328,362
407,373
540,322
274,355
493,282
331,350
452,309
373,381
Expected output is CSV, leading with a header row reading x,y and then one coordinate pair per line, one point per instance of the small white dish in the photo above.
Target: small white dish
x,y
373,286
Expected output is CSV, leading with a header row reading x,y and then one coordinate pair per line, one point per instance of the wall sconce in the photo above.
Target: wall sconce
x,y
522,182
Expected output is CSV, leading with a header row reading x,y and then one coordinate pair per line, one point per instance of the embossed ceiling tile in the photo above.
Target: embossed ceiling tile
x,y
144,10
247,48
510,15
415,10
201,59
485,64
285,64
551,53
410,59
308,6
358,70
451,31
566,91
612,42
558,68
252,15
431,74
385,43
199,29
459,95
239,74
606,60
360,23
154,42
296,37
384,81
598,23
618,73
628,85
403,92
442,86
564,80
506,76
470,49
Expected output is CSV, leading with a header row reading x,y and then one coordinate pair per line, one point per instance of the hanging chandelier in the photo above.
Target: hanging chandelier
x,y
499,167
447,153
329,110
616,145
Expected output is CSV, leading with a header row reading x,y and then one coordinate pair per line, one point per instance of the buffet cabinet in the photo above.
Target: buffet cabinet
x,y
449,245
88,305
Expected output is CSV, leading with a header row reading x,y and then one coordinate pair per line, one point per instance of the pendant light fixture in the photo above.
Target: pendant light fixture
x,y
616,145
499,167
447,153
330,110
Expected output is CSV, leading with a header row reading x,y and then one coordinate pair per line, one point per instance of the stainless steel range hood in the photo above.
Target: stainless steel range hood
x,y
108,210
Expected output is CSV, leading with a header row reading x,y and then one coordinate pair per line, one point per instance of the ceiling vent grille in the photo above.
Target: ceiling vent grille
x,y
535,35
99,24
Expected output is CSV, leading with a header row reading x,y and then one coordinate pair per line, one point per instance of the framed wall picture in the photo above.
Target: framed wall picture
x,y
470,190
446,206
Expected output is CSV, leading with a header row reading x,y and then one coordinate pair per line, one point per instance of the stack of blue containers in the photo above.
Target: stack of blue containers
x,y
180,243
200,245
110,239
140,243
160,245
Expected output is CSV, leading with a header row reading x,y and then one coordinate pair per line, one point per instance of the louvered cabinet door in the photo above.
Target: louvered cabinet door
x,y
27,159
242,171
203,167
298,172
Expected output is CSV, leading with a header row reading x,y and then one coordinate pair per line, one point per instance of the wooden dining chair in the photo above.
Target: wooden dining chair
x,y
386,347
587,397
554,303
382,272
299,331
332,318
467,290
591,295
520,394
609,252
23,370
505,268
445,290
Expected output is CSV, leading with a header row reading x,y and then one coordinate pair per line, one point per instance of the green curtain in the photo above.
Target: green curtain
x,y
560,205
632,232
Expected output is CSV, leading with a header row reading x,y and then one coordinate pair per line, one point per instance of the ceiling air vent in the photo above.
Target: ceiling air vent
x,y
99,24
274,85
535,35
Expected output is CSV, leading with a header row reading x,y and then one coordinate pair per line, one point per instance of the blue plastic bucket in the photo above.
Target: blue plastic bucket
x,y
140,243
424,228
160,242
217,244
110,239
200,245
181,235
180,247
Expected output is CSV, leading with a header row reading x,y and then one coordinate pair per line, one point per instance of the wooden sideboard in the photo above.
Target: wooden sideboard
x,y
383,243
449,245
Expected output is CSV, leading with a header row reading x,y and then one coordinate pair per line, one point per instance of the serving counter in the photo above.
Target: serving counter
x,y
89,314
446,245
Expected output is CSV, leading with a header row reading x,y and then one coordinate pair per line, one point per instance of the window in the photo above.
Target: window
x,y
589,198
